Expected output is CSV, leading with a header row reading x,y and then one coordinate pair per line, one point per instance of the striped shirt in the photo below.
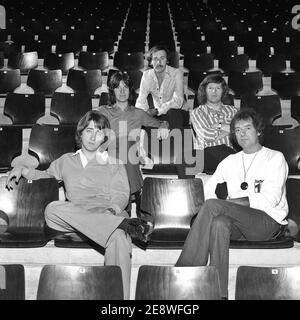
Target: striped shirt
x,y
203,118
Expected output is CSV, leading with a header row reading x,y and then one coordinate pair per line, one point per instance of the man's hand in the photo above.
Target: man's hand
x,y
222,134
163,131
153,112
16,173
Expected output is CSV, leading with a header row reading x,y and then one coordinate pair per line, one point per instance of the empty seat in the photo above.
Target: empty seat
x,y
11,139
177,283
93,60
193,47
62,61
84,80
49,142
295,108
69,108
61,282
171,203
9,80
295,62
243,83
23,61
129,60
44,81
12,282
234,62
24,109
286,84
24,206
199,62
270,63
268,107
293,199
267,283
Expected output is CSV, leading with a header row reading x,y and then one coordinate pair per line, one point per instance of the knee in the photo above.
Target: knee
x,y
52,210
221,223
212,204
119,238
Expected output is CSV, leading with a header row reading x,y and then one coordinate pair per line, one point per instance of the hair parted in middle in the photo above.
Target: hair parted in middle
x,y
211,78
101,122
114,82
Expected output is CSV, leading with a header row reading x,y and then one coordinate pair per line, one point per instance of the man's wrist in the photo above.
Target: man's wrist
x,y
113,211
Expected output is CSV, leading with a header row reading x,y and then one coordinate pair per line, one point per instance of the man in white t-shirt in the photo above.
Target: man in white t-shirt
x,y
256,205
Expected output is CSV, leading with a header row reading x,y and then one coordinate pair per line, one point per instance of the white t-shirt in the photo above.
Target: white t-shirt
x,y
266,178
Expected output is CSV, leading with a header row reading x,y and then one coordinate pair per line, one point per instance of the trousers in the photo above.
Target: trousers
x,y
217,222
100,227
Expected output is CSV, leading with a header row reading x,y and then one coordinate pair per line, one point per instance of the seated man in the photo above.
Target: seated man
x,y
97,191
165,84
256,206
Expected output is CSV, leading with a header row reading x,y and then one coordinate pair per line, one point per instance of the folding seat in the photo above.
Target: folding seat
x,y
199,62
69,108
11,139
295,108
12,282
125,45
171,205
129,60
1,59
288,142
218,47
195,78
84,80
24,208
67,282
234,62
24,61
193,47
22,35
177,283
101,45
253,48
270,63
65,46
288,49
286,84
245,82
61,61
24,109
93,60
49,142
295,62
9,80
268,107
78,35
40,46
44,81
267,283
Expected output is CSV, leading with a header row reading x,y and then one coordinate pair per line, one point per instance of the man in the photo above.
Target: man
x,y
256,206
97,191
165,84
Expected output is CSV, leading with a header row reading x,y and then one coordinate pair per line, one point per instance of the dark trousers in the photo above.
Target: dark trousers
x,y
176,118
217,222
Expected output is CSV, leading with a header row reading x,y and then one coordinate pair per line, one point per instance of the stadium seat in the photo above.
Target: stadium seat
x,y
292,194
24,61
199,62
245,82
171,204
24,109
69,108
177,283
11,140
93,60
286,84
267,283
49,142
270,63
44,81
234,62
129,60
85,80
295,108
295,62
9,81
62,61
12,282
67,282
24,206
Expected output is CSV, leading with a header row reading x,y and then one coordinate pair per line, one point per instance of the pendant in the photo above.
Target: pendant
x,y
244,185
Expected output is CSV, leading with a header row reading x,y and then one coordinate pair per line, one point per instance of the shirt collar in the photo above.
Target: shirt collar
x,y
101,157
167,73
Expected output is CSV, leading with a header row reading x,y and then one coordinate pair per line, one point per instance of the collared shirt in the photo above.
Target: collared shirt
x,y
266,190
99,183
168,96
203,118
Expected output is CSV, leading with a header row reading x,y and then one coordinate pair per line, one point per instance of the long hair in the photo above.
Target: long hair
x,y
212,78
114,82
246,114
101,122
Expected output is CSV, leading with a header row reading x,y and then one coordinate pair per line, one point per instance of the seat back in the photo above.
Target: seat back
x,y
270,63
293,199
23,61
62,61
25,204
267,283
295,108
129,60
93,60
234,62
9,80
49,142
61,282
286,84
171,203
12,282
177,283
24,109
11,140
69,108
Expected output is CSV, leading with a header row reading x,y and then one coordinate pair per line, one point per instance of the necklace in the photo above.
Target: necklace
x,y
244,185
